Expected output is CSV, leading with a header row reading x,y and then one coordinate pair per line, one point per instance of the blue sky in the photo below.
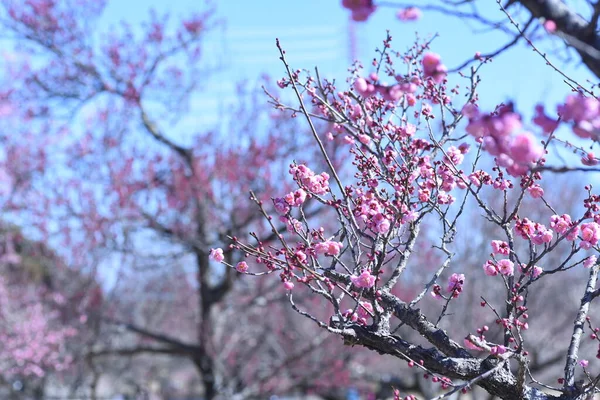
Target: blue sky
x,y
316,33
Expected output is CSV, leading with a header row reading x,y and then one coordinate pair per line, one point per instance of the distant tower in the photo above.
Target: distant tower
x,y
352,41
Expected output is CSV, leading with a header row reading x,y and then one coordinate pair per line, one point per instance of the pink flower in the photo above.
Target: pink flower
x,y
318,184
547,124
506,267
288,285
560,224
216,255
455,155
281,205
433,67
590,234
295,199
590,261
364,280
409,14
584,363
364,309
535,191
455,284
242,267
536,271
541,235
410,216
490,269
524,149
361,86
550,26
329,248
500,247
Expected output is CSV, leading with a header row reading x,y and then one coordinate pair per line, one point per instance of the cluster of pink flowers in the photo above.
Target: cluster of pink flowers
x,y
370,210
409,14
561,224
295,199
329,248
364,280
500,247
582,113
370,86
514,152
362,314
361,9
433,67
504,267
455,284
317,184
538,233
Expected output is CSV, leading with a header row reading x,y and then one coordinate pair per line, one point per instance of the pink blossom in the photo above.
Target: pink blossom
x,y
541,235
500,247
455,155
410,216
590,234
525,228
281,205
361,86
490,268
295,199
506,267
525,149
455,284
381,224
288,285
242,267
560,224
365,310
590,261
217,255
409,14
547,124
550,26
329,248
364,139
364,280
318,184
499,349
536,271
433,67
584,363
535,191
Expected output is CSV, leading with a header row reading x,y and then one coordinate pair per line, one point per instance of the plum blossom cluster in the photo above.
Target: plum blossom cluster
x,y
433,67
307,179
581,113
371,85
515,152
